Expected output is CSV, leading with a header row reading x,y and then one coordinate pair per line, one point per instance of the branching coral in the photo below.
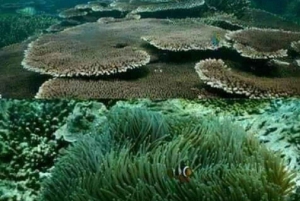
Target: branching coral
x,y
28,147
82,120
226,163
15,28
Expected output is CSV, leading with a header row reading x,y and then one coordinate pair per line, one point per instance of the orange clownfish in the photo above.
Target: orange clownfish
x,y
182,173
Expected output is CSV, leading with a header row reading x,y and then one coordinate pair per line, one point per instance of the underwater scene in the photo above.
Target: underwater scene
x,y
150,100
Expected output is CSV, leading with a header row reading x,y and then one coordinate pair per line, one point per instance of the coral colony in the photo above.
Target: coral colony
x,y
150,100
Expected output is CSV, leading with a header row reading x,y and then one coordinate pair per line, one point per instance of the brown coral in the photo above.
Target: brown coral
x,y
164,80
262,43
16,82
183,38
72,12
168,6
251,18
112,46
216,74
90,49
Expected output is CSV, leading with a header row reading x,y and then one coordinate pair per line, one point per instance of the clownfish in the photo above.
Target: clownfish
x,y
182,173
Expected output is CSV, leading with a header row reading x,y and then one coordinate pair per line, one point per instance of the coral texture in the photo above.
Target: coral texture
x,y
230,6
169,6
88,49
72,12
201,37
19,83
153,85
296,46
251,18
15,28
262,43
216,74
27,144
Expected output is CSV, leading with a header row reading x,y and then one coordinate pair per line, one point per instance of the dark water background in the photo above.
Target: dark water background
x,y
49,6
283,7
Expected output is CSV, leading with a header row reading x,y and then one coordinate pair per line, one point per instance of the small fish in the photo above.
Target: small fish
x,y
182,173
215,40
28,11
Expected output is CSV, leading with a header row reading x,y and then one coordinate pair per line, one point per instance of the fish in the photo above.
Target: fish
x,y
215,40
28,11
182,172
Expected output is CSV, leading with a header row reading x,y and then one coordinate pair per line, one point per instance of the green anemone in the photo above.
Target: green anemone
x,y
227,164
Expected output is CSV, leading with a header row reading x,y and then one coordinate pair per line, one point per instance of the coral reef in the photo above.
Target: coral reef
x,y
201,37
17,82
153,85
296,46
76,51
216,74
236,7
262,43
147,47
137,141
221,154
251,18
16,28
274,122
27,144
72,12
169,6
